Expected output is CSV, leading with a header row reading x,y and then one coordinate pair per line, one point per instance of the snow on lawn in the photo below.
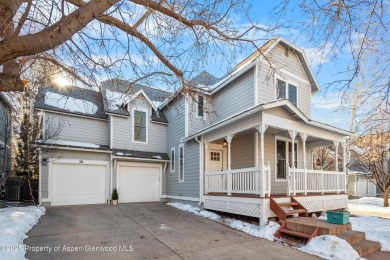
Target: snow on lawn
x,y
69,103
330,247
266,232
368,204
15,222
376,229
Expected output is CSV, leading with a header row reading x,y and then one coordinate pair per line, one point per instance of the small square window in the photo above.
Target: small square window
x,y
215,156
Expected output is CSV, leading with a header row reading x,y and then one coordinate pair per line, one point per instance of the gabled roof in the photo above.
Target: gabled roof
x,y
259,54
72,100
117,93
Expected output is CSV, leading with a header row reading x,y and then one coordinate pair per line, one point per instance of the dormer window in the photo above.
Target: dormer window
x,y
200,106
286,90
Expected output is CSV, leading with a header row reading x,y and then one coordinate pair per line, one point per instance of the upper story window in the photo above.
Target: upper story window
x,y
200,106
286,90
139,126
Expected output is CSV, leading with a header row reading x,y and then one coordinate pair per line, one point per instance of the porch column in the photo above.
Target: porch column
x,y
262,128
229,162
304,137
293,134
336,164
344,144
206,160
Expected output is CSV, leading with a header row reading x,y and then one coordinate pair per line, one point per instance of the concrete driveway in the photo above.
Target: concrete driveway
x,y
143,231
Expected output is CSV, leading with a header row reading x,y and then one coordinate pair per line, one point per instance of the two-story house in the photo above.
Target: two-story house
x,y
239,144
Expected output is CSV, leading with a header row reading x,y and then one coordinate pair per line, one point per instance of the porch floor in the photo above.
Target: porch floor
x,y
245,195
308,225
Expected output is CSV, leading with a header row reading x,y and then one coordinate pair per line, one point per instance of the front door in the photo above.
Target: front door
x,y
215,161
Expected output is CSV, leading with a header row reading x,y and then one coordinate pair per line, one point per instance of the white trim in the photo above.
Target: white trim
x,y
70,114
296,77
74,149
179,198
197,107
157,122
174,159
287,82
81,162
111,132
233,76
256,85
139,159
145,96
286,141
186,112
146,111
118,115
179,169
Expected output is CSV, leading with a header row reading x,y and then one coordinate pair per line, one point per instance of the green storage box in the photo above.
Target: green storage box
x,y
337,217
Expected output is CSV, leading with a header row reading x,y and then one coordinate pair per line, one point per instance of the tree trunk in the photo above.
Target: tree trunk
x,y
386,198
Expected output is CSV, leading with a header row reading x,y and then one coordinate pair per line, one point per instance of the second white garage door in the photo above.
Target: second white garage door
x,y
139,183
77,184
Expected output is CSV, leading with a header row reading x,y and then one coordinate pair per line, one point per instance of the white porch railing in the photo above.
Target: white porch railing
x,y
247,180
316,181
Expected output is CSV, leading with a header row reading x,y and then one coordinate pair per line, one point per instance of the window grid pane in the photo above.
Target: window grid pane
x,y
200,106
281,89
139,126
292,94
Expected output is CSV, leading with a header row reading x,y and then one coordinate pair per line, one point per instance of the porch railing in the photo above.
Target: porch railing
x,y
247,181
316,181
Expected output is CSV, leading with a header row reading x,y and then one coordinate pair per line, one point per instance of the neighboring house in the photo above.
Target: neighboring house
x,y
360,183
5,134
225,144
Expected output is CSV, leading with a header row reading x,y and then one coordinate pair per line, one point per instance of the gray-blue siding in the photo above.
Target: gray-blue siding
x,y
175,114
235,97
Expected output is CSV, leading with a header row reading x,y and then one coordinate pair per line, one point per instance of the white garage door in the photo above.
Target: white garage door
x,y
75,184
139,183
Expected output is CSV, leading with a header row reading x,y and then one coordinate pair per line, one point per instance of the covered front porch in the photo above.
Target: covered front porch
x,y
258,162
264,156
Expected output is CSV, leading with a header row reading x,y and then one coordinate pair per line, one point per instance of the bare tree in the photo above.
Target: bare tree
x,y
373,155
358,29
141,40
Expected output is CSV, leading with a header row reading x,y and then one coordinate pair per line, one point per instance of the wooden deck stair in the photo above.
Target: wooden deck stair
x,y
307,228
285,209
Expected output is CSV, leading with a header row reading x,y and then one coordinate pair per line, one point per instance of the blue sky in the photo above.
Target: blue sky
x,y
326,104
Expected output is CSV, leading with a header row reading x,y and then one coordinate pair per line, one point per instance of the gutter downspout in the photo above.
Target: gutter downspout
x,y
201,168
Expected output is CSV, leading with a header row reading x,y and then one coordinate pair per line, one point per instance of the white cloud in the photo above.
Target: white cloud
x,y
327,102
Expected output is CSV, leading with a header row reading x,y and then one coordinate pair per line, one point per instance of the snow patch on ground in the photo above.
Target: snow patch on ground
x,y
330,247
376,229
266,232
368,204
69,103
15,222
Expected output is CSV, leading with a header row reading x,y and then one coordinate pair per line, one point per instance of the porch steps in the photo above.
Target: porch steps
x,y
284,209
307,228
359,242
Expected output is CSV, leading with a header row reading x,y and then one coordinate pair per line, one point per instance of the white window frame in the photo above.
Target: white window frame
x,y
146,124
173,165
286,141
287,82
179,168
197,106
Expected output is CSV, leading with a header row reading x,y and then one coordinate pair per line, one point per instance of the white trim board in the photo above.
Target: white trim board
x,y
179,198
